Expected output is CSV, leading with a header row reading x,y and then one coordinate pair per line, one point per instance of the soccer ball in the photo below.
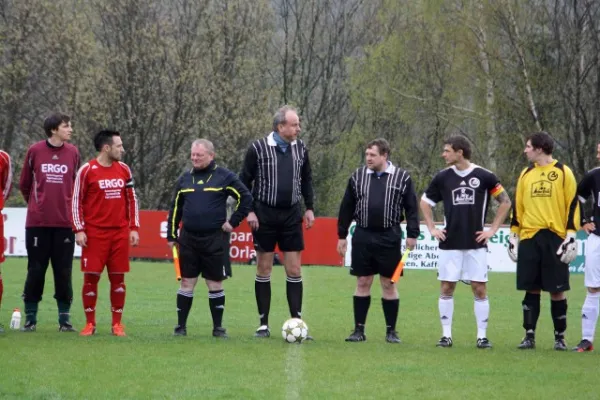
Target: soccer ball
x,y
294,330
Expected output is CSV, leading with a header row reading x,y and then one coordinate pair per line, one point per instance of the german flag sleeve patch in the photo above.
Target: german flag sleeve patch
x,y
496,190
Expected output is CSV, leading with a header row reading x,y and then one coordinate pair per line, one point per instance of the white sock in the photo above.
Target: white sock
x,y
482,313
589,316
446,307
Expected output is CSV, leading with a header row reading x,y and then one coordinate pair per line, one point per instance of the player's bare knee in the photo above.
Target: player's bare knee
x,y
264,270
363,285
264,264
214,285
447,288
292,263
388,289
293,270
386,283
593,290
479,289
557,296
188,284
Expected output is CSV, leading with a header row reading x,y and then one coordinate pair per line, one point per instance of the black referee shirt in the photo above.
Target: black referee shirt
x,y
589,188
276,178
200,201
379,201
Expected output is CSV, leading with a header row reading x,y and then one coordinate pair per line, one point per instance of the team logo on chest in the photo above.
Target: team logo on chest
x,y
463,196
54,169
54,172
541,189
474,183
112,187
111,183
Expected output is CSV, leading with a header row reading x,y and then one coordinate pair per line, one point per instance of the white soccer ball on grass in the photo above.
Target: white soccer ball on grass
x,y
294,330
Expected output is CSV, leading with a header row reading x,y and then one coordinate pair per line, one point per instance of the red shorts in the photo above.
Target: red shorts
x,y
2,239
108,248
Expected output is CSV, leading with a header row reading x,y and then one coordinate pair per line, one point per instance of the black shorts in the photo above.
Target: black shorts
x,y
376,252
281,226
203,253
538,266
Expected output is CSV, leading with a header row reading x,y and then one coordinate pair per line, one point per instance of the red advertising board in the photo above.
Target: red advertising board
x,y
319,242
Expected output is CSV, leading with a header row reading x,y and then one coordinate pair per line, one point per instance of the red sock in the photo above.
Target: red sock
x,y
117,296
1,289
89,294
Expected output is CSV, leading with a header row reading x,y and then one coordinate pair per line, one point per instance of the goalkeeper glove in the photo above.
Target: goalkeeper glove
x,y
568,249
513,246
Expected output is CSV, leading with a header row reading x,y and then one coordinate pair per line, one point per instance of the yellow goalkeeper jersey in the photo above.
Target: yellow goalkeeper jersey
x,y
546,198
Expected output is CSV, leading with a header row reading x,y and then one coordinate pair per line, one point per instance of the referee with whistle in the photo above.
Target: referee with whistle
x,y
200,202
378,197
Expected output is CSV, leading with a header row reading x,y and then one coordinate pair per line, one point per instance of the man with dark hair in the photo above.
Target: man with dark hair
x,y
5,186
465,189
200,202
47,186
589,187
106,222
545,221
541,141
456,143
277,170
377,197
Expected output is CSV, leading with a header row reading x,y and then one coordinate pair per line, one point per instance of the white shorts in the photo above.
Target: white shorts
x,y
463,265
592,261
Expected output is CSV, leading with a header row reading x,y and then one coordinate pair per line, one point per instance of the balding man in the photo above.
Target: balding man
x,y
278,172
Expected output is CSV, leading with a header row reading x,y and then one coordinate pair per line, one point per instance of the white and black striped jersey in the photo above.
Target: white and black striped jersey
x,y
276,178
589,188
379,201
466,195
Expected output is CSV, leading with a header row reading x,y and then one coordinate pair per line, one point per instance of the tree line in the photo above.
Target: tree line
x,y
166,72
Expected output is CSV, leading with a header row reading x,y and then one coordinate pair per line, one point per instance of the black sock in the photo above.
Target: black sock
x,y
31,310
361,309
216,302
262,290
184,304
294,295
64,309
531,313
558,308
390,311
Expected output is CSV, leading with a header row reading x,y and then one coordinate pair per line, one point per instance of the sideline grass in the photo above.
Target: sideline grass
x,y
150,363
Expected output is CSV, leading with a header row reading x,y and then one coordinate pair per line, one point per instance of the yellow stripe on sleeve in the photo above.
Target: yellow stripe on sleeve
x,y
239,196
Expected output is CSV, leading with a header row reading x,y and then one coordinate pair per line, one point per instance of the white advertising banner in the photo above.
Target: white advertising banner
x,y
14,232
425,256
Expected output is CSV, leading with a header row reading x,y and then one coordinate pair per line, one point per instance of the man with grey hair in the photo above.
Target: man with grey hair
x,y
200,203
277,170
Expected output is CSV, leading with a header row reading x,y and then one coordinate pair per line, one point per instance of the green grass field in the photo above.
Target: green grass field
x,y
151,363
